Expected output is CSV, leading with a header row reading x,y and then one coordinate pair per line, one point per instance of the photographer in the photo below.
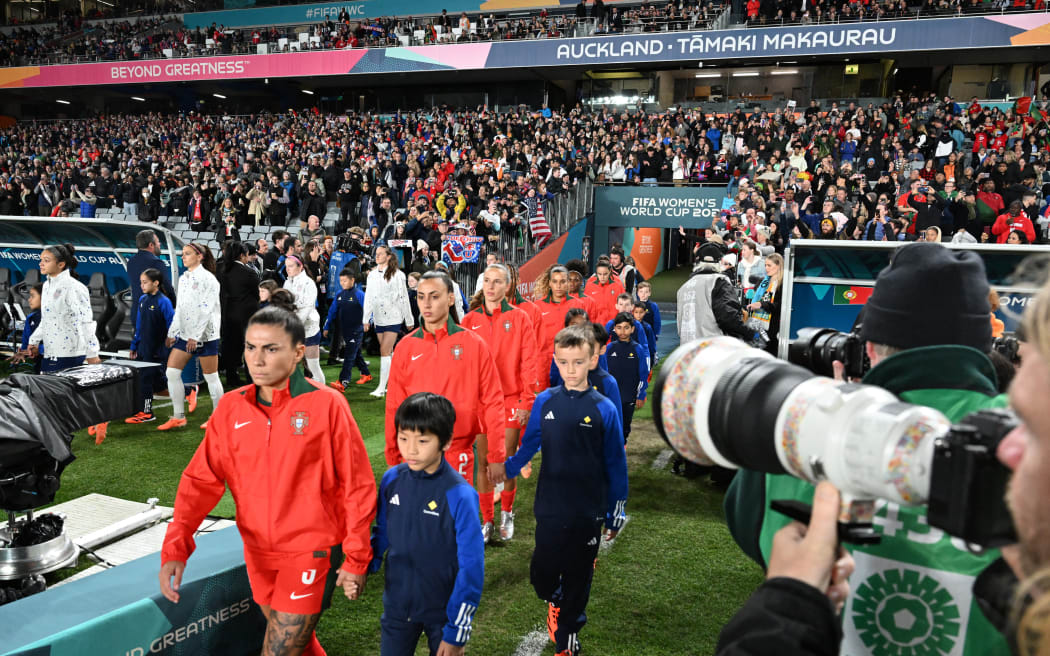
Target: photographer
x,y
807,582
926,330
708,302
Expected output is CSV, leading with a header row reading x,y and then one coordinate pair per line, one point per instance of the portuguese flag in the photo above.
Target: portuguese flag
x,y
851,295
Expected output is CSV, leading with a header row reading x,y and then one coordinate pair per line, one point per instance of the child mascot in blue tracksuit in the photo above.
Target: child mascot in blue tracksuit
x,y
151,329
347,310
428,528
32,322
627,364
582,482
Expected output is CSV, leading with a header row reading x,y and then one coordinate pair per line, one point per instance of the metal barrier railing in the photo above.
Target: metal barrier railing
x,y
516,245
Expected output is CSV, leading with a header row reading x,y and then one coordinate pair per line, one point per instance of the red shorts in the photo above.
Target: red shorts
x,y
461,456
301,584
510,406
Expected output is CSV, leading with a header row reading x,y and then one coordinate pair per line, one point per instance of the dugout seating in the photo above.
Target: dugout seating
x,y
21,290
102,306
119,327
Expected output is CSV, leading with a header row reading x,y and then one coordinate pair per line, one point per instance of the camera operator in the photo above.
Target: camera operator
x,y
927,331
708,303
795,610
789,614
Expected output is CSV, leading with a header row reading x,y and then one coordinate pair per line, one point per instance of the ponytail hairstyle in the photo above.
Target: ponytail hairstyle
x,y
543,283
281,312
513,297
154,275
478,299
66,254
232,253
447,281
207,258
391,262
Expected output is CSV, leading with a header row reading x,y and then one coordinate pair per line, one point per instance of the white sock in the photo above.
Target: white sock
x,y
214,388
384,372
315,369
177,393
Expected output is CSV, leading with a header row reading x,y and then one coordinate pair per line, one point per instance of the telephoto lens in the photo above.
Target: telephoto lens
x,y
721,402
817,349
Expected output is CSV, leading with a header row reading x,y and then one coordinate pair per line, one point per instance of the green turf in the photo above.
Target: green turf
x,y
670,582
666,283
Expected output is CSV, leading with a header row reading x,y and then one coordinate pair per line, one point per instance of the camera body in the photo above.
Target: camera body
x,y
817,348
967,481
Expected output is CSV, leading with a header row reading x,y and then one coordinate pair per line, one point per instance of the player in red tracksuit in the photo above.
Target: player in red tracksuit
x,y
603,292
293,457
511,338
443,358
515,298
552,291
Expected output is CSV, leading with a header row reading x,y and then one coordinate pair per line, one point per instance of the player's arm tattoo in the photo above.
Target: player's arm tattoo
x,y
288,634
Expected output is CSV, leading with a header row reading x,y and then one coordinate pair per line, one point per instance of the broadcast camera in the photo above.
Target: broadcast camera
x,y
719,402
38,415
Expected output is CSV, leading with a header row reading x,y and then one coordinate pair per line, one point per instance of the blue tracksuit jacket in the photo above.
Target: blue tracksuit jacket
x,y
350,304
652,317
627,366
650,339
151,325
428,527
639,335
32,322
584,469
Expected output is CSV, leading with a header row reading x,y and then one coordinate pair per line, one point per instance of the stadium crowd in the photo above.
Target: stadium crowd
x,y
895,171
777,12
72,40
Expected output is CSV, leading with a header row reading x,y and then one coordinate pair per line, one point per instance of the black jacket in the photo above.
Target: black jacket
x,y
239,294
311,205
783,616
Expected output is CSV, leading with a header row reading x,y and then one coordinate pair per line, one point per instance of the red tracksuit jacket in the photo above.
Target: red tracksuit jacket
x,y
603,300
301,480
552,319
511,339
455,363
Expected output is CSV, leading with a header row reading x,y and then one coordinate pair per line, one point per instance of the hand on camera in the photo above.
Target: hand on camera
x,y
812,554
838,369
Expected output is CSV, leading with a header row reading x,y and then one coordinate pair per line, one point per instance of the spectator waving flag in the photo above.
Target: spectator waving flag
x,y
541,230
456,249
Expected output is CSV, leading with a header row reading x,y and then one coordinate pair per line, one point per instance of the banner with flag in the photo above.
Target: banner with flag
x,y
852,294
456,249
541,230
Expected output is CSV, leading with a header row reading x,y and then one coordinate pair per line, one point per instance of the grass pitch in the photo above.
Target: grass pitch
x,y
672,579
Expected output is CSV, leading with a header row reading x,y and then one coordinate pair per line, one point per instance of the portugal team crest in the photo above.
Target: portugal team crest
x,y
300,420
457,351
507,325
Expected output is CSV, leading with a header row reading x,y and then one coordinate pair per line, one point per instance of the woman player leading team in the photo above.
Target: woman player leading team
x,y
443,358
511,337
194,330
294,460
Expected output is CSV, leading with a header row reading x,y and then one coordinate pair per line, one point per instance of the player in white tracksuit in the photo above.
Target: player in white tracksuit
x,y
194,330
304,289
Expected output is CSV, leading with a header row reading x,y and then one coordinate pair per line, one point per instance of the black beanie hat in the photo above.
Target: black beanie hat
x,y
930,295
